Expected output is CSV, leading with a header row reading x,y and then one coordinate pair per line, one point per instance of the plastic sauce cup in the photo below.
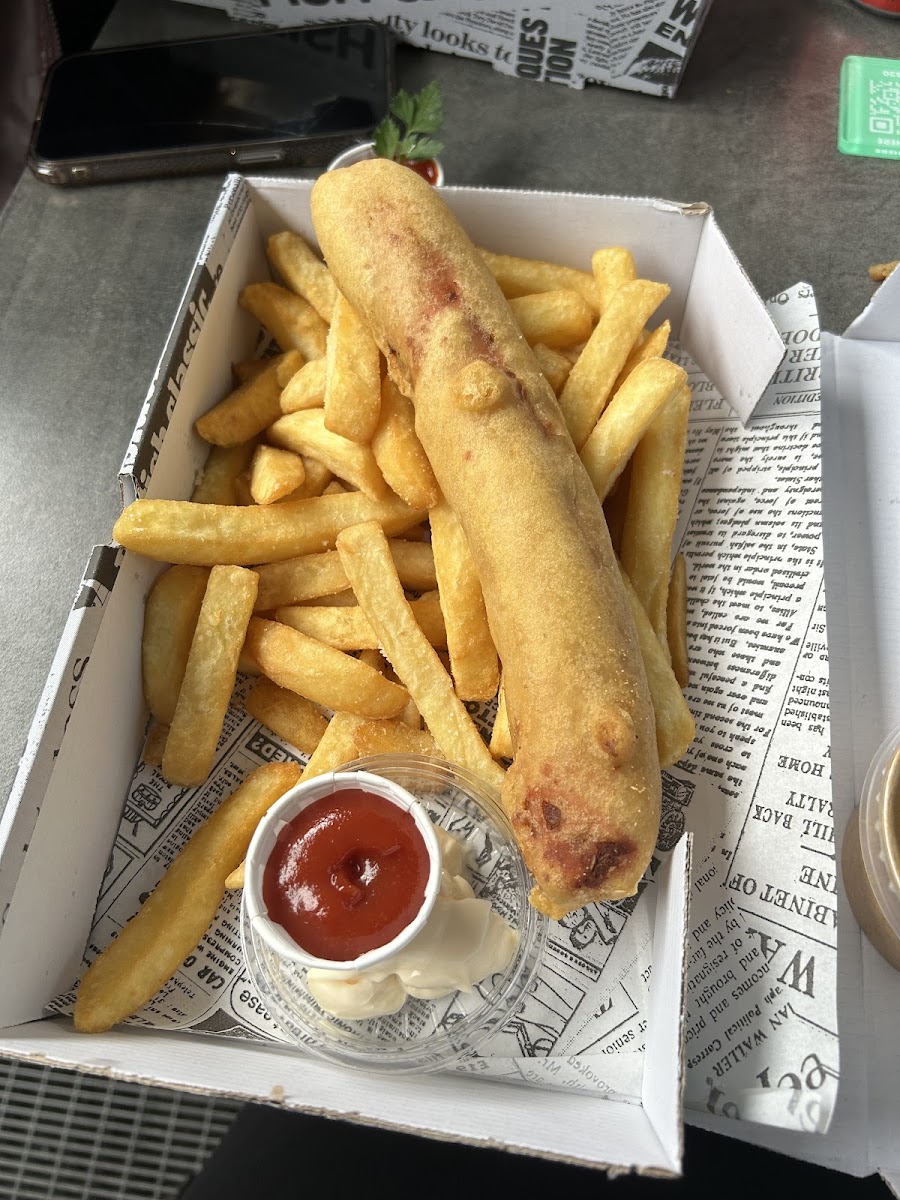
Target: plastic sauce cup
x,y
288,807
870,855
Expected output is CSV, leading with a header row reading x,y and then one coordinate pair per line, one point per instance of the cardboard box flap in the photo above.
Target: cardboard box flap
x,y
861,486
663,1084
880,319
726,327
51,719
569,1127
73,797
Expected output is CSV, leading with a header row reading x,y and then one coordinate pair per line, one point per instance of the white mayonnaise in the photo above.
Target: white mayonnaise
x,y
462,942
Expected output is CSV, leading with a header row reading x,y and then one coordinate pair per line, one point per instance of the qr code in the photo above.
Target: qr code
x,y
884,106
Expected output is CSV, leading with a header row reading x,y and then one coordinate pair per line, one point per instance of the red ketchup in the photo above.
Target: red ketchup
x,y
426,167
346,875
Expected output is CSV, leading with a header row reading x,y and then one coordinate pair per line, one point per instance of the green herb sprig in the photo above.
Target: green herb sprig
x,y
405,134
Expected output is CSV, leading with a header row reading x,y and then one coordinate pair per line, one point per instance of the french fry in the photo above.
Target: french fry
x,y
652,511
335,488
347,628
288,365
398,451
588,387
649,345
367,560
612,266
155,744
525,276
319,575
170,619
320,673
878,272
247,368
336,747
674,723
305,388
501,739
294,324
345,599
348,738
246,412
473,659
559,318
292,717
242,494
555,366
171,922
274,474
411,715
305,433
209,675
317,478
178,531
218,481
303,271
644,394
676,621
616,505
352,376
300,579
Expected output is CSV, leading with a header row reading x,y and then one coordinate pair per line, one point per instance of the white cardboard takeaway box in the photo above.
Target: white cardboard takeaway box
x,y
634,44
67,801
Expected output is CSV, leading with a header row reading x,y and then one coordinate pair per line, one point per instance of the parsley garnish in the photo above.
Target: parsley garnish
x,y
405,134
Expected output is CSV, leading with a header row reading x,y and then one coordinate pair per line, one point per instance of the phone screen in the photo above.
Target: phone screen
x,y
313,82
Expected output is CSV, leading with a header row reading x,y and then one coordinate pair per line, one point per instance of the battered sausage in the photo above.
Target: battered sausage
x,y
583,793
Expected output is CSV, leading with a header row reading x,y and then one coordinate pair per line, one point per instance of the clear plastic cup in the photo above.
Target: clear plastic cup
x,y
425,1035
870,858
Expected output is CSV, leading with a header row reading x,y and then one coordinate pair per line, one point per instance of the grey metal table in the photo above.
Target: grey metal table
x,y
90,279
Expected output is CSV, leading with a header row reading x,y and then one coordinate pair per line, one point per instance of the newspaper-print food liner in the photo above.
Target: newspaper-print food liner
x,y
754,788
424,1035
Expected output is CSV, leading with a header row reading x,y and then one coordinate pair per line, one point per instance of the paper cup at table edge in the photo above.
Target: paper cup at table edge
x,y
284,811
870,854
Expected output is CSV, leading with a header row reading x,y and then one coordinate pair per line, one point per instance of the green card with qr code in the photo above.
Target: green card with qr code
x,y
870,107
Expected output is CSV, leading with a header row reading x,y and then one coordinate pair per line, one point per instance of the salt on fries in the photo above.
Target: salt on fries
x,y
316,479
176,915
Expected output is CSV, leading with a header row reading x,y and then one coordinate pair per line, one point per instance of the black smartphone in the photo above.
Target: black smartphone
x,y
295,97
